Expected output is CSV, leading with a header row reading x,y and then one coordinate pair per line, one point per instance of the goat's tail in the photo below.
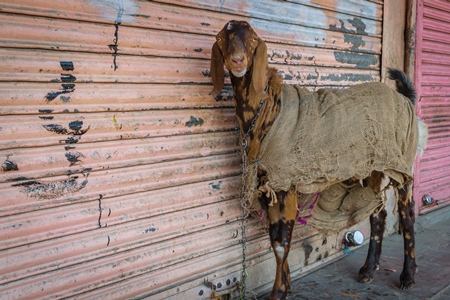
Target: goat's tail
x,y
406,88
404,85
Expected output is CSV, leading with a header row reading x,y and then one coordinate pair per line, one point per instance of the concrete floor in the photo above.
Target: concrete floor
x,y
339,279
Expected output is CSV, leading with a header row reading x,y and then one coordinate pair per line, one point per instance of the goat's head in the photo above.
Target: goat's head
x,y
241,50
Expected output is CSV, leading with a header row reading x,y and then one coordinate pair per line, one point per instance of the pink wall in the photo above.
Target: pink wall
x,y
432,80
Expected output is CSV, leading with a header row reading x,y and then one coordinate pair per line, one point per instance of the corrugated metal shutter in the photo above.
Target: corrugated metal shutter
x,y
120,175
433,84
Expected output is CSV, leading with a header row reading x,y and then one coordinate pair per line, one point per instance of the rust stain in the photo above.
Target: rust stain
x,y
116,125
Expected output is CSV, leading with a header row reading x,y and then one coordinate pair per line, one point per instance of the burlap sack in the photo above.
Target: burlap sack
x,y
323,138
351,206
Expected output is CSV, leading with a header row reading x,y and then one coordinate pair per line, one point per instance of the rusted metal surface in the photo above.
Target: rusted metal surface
x,y
433,83
120,174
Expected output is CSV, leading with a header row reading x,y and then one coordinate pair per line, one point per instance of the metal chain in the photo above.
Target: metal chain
x,y
244,212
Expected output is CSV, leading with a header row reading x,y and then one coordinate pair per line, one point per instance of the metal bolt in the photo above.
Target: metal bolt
x,y
427,200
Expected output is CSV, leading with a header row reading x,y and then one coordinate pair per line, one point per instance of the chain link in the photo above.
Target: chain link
x,y
244,143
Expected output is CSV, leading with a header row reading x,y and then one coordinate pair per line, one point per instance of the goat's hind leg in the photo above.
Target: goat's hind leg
x,y
407,216
377,224
282,219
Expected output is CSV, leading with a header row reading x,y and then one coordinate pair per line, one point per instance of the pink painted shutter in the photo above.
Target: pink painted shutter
x,y
433,85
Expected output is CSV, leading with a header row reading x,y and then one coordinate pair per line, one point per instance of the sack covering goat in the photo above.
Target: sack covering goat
x,y
323,138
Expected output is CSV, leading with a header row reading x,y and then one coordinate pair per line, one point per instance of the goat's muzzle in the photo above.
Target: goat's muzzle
x,y
237,64
239,73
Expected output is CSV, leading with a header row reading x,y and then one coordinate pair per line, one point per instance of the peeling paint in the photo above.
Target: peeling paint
x,y
68,78
75,130
65,99
115,46
226,94
20,178
51,190
74,157
347,77
59,129
26,183
53,95
75,126
9,165
290,12
108,10
100,209
66,65
295,35
359,25
195,122
312,77
66,87
352,36
216,186
355,40
140,16
206,73
358,59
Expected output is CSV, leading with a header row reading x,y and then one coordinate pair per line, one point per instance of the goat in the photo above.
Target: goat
x,y
245,56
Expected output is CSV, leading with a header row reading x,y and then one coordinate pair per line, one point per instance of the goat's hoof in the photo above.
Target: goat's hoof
x,y
406,282
406,286
407,279
363,279
278,295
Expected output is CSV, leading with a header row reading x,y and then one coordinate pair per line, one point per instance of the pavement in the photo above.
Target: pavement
x,y
338,280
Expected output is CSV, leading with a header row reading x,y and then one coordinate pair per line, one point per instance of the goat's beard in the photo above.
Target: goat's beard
x,y
239,74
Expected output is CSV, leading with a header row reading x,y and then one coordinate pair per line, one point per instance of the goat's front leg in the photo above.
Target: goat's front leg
x,y
377,224
282,219
407,216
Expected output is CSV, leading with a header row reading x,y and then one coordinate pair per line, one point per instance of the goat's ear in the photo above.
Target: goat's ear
x,y
260,64
217,73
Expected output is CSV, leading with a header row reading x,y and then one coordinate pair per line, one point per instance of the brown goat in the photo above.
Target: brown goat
x,y
244,54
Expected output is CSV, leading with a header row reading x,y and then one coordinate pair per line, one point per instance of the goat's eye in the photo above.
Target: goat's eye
x,y
254,39
219,39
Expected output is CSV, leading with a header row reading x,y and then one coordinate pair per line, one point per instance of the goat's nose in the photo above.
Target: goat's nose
x,y
237,58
